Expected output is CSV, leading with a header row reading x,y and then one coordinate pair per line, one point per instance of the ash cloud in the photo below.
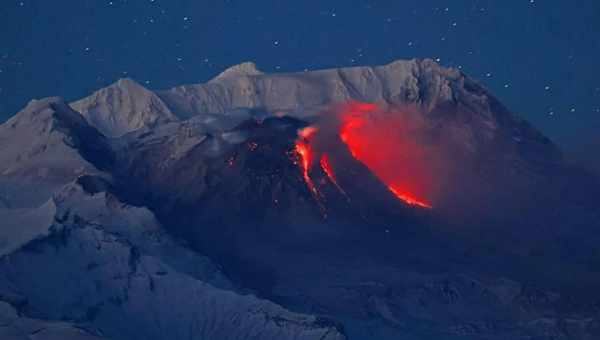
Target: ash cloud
x,y
396,144
474,176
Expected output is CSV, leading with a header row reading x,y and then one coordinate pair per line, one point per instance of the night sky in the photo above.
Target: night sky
x,y
540,57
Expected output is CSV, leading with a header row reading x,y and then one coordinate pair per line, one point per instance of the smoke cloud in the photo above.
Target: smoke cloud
x,y
396,145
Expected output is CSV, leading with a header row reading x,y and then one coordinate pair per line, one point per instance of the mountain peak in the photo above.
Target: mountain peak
x,y
42,112
35,106
47,116
123,107
244,69
127,83
48,141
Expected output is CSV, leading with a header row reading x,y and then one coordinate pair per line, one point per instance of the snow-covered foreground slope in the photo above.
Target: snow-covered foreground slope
x,y
21,226
110,267
15,326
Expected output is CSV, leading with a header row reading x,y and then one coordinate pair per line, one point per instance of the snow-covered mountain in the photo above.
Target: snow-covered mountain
x,y
45,146
123,107
210,211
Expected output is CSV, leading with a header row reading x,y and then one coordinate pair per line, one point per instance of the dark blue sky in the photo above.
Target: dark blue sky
x,y
540,57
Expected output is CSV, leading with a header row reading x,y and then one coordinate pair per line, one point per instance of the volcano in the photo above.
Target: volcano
x,y
401,201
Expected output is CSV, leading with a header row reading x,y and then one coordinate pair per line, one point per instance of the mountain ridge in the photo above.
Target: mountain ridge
x,y
436,90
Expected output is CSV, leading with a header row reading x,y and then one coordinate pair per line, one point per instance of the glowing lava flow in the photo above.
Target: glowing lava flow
x,y
303,148
328,169
408,199
377,142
